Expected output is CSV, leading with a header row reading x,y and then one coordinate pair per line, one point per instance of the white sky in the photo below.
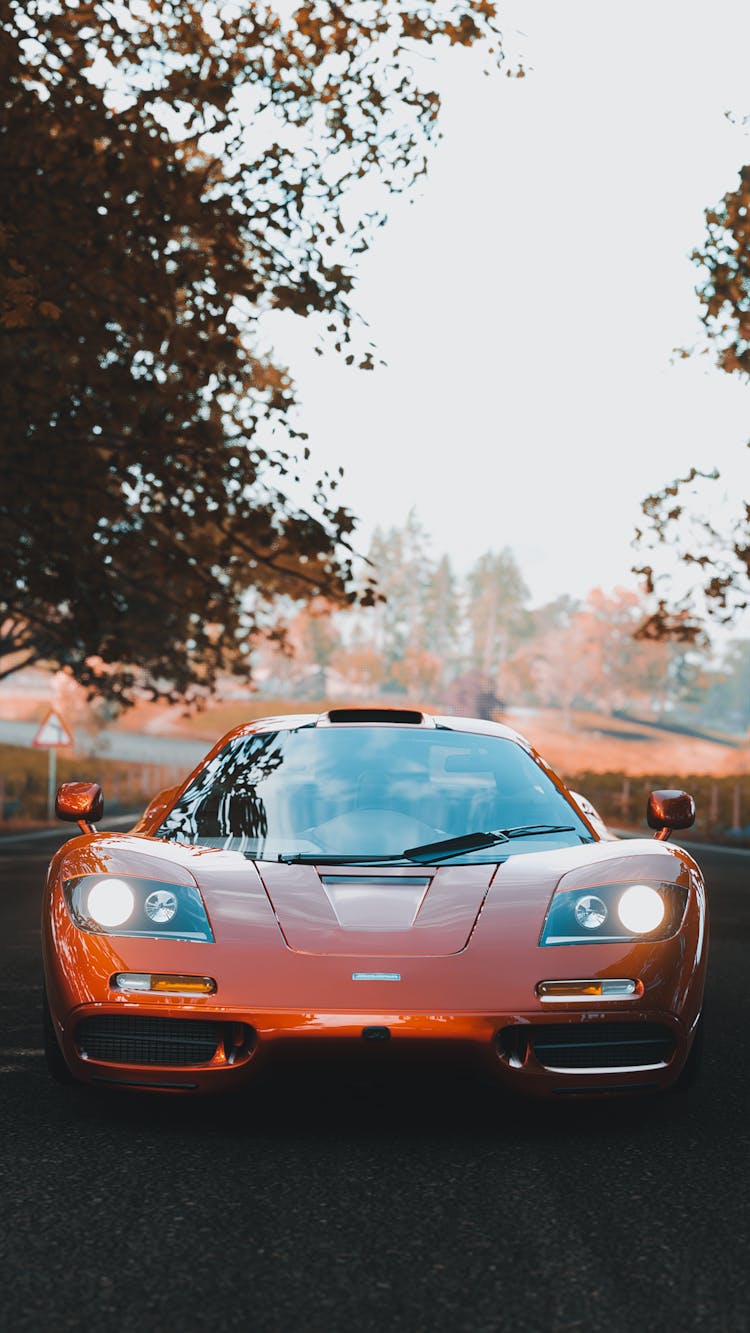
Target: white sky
x,y
528,300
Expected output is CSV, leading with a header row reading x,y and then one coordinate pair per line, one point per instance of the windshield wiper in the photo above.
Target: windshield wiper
x,y
428,851
533,829
332,858
473,842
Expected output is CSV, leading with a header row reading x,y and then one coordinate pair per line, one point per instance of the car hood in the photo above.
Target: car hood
x,y
391,910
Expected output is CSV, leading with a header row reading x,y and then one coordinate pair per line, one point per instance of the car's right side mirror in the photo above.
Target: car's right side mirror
x,y
667,810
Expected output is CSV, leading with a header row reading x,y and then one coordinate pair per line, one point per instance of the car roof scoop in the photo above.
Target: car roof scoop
x,y
395,717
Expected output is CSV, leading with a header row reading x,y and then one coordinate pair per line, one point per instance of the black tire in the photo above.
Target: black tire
x,y
692,1066
53,1055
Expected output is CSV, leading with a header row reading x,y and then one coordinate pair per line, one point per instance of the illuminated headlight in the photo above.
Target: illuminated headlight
x,y
614,912
641,909
119,905
110,902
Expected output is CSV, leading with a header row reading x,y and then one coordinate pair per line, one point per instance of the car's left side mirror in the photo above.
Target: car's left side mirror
x,y
667,810
80,802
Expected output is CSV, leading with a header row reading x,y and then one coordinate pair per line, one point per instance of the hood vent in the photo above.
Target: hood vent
x,y
397,717
375,902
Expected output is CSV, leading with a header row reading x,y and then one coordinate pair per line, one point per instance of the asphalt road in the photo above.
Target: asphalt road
x,y
371,1201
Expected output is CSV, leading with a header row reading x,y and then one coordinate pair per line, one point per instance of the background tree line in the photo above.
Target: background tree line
x,y
473,642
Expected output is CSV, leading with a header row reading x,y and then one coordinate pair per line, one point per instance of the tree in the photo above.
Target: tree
x,y
441,612
313,639
727,699
587,656
168,175
531,675
403,567
361,666
715,550
418,672
496,597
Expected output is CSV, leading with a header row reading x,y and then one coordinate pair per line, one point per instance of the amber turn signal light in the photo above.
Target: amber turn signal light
x,y
162,983
599,988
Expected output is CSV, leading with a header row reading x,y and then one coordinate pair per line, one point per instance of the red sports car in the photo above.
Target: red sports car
x,y
366,875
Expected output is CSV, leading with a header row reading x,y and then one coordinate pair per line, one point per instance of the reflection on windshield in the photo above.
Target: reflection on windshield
x,y
367,791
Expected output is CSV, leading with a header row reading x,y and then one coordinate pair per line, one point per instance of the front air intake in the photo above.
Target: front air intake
x,y
591,1045
135,1039
398,717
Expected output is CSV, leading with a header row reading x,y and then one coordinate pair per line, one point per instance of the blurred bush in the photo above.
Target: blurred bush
x,y
23,782
722,804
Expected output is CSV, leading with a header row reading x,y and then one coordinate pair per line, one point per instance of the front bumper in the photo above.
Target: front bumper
x,y
616,1049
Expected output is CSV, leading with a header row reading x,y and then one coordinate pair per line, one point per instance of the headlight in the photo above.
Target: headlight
x,y
614,912
110,902
590,912
119,905
161,906
641,909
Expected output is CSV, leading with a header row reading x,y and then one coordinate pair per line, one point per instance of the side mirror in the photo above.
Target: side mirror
x,y
667,810
81,803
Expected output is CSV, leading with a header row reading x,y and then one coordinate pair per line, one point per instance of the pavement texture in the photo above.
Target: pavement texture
x,y
372,1199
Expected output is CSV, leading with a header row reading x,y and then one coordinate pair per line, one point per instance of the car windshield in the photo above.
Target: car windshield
x,y
366,792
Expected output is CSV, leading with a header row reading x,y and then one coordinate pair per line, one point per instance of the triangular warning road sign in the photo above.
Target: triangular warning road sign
x,y
52,733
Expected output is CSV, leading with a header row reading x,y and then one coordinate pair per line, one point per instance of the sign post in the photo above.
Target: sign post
x,y
52,736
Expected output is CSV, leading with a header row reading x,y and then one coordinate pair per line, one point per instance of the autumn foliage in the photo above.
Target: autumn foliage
x,y
169,173
714,547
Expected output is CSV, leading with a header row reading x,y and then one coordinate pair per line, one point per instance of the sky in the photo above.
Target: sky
x,y
528,298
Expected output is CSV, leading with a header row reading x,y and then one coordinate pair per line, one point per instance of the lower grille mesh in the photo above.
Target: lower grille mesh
x,y
134,1040
590,1045
601,1045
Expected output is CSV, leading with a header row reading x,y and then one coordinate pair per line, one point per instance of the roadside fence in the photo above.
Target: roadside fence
x,y
722,804
127,786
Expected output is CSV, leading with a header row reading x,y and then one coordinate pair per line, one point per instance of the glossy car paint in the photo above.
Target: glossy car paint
x,y
80,802
317,953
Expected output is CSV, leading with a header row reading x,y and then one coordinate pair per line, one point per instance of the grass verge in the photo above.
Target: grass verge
x,y
24,777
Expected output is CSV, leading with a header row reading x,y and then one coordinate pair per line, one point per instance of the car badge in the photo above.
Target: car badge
x,y
376,976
